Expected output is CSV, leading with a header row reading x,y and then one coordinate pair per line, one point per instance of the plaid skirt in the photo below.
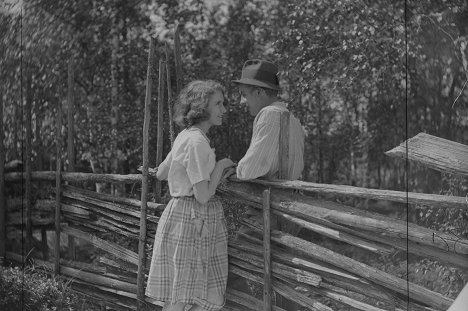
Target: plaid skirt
x,y
190,253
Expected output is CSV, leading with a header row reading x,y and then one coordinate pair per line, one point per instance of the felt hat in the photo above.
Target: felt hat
x,y
259,72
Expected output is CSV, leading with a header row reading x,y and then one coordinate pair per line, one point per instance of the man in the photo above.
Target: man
x,y
259,87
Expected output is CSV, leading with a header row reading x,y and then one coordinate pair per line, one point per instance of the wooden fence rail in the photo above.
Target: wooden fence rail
x,y
313,269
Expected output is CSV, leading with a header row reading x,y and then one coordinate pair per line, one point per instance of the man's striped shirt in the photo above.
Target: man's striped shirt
x,y
262,157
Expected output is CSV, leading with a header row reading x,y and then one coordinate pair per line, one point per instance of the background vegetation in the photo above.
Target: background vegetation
x,y
362,76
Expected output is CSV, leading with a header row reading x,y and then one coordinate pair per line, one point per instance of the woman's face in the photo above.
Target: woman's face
x,y
216,108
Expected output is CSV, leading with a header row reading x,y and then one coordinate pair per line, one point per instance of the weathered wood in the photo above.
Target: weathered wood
x,y
266,252
282,290
316,210
425,251
97,279
284,145
416,292
131,222
345,300
109,247
246,300
170,104
435,152
118,264
3,207
144,191
58,185
70,142
370,290
95,295
150,303
177,58
76,210
45,247
76,177
28,156
115,199
333,212
294,261
70,118
279,270
340,236
160,128
432,200
106,205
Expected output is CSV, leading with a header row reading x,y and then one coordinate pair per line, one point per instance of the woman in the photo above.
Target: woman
x,y
189,263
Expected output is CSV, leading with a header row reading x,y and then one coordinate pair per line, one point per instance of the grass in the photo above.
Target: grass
x,y
32,289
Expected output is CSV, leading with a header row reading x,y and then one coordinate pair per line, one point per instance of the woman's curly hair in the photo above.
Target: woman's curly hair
x,y
192,103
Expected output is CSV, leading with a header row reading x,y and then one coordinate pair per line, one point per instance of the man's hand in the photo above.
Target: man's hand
x,y
229,172
151,171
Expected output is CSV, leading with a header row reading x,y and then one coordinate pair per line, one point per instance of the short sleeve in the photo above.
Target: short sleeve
x,y
199,161
163,168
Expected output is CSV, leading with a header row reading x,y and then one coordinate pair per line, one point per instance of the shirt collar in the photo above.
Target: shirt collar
x,y
193,128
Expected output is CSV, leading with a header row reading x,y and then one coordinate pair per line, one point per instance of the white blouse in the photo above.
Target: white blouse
x,y
190,161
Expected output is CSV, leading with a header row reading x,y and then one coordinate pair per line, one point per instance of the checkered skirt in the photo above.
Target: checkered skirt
x,y
189,253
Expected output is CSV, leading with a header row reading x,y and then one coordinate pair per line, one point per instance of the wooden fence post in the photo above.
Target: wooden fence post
x,y
177,59
2,187
284,145
266,252
28,189
144,182
70,143
58,186
160,131
170,104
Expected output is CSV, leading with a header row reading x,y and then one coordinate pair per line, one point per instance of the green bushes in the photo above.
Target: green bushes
x,y
32,289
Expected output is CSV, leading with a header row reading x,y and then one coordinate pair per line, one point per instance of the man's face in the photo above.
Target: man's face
x,y
251,97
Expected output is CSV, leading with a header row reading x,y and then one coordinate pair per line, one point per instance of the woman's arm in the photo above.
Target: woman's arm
x,y
162,172
205,189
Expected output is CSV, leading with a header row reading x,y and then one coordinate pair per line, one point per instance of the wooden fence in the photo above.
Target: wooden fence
x,y
298,268
302,270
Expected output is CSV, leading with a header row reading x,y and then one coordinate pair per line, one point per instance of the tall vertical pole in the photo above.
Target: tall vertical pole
x,y
2,187
266,252
58,187
28,188
170,104
144,182
177,59
70,143
159,140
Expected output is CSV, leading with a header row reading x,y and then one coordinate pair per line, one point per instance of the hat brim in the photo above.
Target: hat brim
x,y
254,82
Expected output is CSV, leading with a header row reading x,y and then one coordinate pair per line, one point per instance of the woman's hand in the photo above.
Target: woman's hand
x,y
225,163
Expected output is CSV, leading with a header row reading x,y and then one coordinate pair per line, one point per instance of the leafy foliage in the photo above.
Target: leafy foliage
x,y
362,76
31,289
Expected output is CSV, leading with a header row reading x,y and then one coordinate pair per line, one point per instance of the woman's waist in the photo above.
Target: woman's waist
x,y
191,198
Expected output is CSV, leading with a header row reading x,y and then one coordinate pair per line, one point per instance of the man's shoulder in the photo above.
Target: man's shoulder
x,y
270,113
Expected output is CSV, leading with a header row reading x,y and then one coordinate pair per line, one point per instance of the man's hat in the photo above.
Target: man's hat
x,y
261,73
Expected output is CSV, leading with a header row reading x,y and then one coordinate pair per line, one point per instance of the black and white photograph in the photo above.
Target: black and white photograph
x,y
237,155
